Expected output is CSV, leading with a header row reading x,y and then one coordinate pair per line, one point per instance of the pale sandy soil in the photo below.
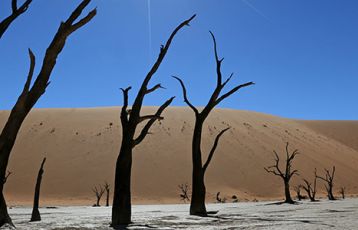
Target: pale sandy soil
x,y
340,214
81,146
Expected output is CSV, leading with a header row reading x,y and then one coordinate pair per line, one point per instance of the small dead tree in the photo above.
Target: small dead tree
x,y
184,192
7,176
219,199
329,182
107,188
16,12
30,95
285,174
342,191
35,210
99,193
309,188
197,205
130,119
298,192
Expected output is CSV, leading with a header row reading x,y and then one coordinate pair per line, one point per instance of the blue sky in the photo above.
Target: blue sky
x,y
302,54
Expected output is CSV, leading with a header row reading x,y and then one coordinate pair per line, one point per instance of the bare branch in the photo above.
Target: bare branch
x,y
218,62
147,117
157,86
212,151
16,12
30,74
124,112
151,121
164,49
186,97
232,91
6,177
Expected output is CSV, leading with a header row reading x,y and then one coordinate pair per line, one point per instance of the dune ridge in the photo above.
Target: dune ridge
x,y
81,146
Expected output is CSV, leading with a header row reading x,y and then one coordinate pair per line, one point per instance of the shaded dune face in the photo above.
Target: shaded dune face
x,y
81,146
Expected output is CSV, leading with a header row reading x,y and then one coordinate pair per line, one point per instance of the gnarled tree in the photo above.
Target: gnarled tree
x,y
286,174
30,94
99,193
35,210
309,188
16,12
329,182
197,206
130,119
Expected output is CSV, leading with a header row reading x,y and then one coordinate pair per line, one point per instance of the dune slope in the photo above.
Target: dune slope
x,y
81,146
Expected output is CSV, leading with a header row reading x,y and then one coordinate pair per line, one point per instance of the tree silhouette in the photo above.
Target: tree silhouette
x,y
99,193
16,12
130,119
197,206
184,192
35,210
30,94
107,188
311,190
285,174
342,191
329,182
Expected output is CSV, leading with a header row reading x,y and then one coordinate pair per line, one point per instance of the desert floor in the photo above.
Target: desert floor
x,y
340,214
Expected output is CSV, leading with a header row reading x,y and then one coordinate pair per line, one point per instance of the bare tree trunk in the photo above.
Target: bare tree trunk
x,y
197,206
122,207
287,193
35,210
130,118
31,94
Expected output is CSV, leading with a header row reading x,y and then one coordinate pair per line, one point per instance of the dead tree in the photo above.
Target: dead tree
x,y
6,176
30,95
130,119
298,192
99,193
311,190
197,206
219,199
16,12
184,192
35,210
107,188
342,191
285,174
329,182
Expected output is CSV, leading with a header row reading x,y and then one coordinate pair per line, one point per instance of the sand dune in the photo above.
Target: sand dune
x,y
81,146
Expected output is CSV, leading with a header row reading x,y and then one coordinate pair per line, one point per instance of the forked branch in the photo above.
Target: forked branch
x,y
212,151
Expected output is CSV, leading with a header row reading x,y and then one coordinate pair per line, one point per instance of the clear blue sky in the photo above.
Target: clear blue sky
x,y
302,54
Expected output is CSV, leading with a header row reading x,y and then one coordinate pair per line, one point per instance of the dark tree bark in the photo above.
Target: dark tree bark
x,y
329,182
287,174
130,118
99,193
311,190
197,206
30,95
107,188
35,210
16,12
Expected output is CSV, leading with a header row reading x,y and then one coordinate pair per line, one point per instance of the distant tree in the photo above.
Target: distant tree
x,y
35,210
99,193
285,174
219,199
130,119
184,192
329,182
298,192
342,191
234,199
311,190
16,12
107,188
197,205
30,95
